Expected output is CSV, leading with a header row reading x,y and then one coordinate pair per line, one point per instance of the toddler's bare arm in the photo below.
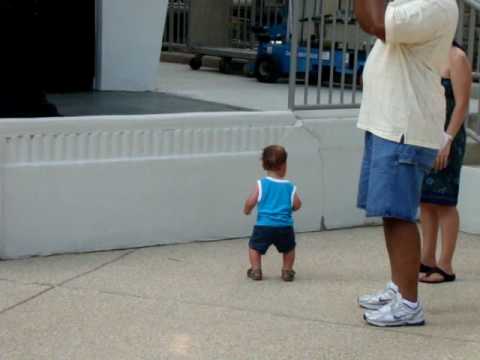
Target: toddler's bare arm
x,y
297,203
251,201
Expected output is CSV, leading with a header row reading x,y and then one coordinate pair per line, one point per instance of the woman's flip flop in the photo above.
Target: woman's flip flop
x,y
426,269
445,277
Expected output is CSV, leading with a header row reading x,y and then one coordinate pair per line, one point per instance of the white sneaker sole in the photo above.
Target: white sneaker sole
x,y
394,324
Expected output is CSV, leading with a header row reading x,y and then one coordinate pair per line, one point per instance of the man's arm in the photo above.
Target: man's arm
x,y
371,17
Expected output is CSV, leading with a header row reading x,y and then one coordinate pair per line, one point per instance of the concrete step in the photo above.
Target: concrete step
x,y
469,200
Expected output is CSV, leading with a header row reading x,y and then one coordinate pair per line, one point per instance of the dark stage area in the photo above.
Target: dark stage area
x,y
131,103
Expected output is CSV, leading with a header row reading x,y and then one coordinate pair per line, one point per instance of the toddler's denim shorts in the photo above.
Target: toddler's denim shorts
x,y
391,178
264,236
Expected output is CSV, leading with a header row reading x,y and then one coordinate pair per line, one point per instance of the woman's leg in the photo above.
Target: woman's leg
x,y
429,221
449,224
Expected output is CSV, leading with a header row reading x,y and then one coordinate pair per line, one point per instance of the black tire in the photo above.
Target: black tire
x,y
266,70
225,66
196,63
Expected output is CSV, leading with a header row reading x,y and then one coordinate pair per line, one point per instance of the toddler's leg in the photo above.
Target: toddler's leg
x,y
255,271
255,259
287,271
288,260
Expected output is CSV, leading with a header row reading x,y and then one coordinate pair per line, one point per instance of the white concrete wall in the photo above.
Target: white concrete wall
x,y
469,200
129,43
84,184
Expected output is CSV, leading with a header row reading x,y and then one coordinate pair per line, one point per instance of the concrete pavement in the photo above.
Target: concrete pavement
x,y
194,302
208,84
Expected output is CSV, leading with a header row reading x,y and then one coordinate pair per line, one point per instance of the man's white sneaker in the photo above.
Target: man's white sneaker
x,y
396,313
380,299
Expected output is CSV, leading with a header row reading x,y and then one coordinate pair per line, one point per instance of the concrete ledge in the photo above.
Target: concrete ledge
x,y
98,183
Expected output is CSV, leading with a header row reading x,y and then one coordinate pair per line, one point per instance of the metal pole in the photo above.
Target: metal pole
x,y
355,65
320,51
170,25
178,12
332,58
293,56
344,52
233,24
461,24
253,22
307,20
189,18
245,24
262,5
471,34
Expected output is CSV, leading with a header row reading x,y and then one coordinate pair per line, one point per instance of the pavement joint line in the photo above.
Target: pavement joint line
x,y
13,281
37,295
51,287
275,314
110,262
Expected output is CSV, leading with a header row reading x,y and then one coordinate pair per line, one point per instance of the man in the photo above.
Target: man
x,y
403,114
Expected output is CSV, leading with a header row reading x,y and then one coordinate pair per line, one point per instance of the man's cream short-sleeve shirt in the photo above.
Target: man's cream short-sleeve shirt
x,y
402,93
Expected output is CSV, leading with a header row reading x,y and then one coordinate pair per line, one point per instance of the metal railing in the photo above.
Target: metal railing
x,y
246,14
177,24
468,31
326,32
328,53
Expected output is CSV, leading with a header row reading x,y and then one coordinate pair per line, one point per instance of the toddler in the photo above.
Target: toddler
x,y
276,198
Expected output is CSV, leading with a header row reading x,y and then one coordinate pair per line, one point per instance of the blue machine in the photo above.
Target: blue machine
x,y
273,58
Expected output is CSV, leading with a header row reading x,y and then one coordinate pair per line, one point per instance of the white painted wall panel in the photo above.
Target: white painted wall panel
x,y
130,43
97,183
469,200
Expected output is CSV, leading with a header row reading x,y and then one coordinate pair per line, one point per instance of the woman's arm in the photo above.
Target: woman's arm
x,y
461,76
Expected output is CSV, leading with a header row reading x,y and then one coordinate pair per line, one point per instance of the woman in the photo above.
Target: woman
x,y
440,187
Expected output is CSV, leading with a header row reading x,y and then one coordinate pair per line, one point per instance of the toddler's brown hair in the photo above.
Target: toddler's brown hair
x,y
273,157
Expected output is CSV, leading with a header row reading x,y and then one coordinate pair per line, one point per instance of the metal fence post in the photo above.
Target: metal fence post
x,y
292,13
